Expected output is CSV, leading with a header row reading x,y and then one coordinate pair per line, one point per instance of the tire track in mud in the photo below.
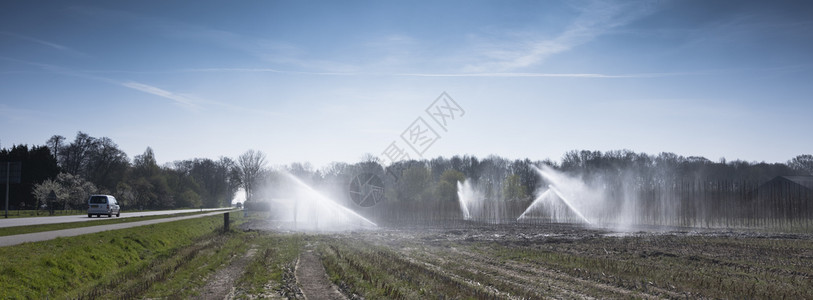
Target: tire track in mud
x,y
447,270
533,279
505,277
564,277
220,285
312,278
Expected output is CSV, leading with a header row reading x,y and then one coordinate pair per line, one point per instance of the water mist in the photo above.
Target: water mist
x,y
305,209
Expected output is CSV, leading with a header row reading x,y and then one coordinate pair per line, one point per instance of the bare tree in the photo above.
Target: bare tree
x,y
250,165
55,144
802,163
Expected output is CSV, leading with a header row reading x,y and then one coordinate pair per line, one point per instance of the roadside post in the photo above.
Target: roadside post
x,y
226,222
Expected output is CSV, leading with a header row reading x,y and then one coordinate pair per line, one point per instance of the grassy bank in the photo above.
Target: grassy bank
x,y
67,266
5,231
257,265
178,259
271,271
30,213
246,264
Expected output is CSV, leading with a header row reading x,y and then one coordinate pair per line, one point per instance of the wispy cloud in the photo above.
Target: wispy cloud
x,y
416,74
267,50
192,100
50,68
189,70
553,75
186,101
228,70
181,99
13,115
594,20
266,70
41,42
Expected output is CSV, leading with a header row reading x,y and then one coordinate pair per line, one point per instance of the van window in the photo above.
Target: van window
x,y
98,200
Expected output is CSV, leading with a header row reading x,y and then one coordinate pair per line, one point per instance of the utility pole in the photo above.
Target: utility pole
x,y
8,177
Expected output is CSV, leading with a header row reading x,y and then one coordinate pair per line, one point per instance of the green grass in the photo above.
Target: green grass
x,y
12,214
274,262
275,256
186,273
41,213
168,260
187,281
6,231
71,267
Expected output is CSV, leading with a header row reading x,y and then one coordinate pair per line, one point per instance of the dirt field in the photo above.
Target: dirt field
x,y
516,261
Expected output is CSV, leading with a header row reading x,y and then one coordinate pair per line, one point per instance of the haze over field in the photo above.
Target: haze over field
x,y
463,149
324,82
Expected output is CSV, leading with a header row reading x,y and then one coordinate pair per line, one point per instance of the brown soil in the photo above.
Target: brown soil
x,y
517,261
220,285
310,274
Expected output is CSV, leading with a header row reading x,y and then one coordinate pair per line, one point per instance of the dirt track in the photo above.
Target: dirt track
x,y
311,277
220,284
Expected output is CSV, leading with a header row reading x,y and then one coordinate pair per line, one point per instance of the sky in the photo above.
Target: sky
x,y
321,82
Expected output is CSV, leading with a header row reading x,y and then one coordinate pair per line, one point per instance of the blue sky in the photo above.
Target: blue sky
x,y
331,81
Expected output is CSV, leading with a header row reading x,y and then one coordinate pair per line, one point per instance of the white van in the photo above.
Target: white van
x,y
103,205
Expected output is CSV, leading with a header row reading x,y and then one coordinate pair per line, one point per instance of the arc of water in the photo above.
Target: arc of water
x,y
566,202
534,204
329,201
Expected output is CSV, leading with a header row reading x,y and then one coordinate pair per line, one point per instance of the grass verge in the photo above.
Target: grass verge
x,y
256,264
70,267
178,259
271,272
13,214
6,231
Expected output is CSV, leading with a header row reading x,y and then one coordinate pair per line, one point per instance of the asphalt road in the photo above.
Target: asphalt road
x,y
11,222
48,235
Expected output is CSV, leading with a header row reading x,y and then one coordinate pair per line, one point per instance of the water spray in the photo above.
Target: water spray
x,y
566,202
311,209
552,182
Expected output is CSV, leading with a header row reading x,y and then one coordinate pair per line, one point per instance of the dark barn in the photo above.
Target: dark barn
x,y
784,199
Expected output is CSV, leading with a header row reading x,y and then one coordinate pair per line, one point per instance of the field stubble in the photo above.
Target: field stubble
x,y
515,261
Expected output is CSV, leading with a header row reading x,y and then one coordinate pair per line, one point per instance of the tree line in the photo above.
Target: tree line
x,y
90,165
509,180
692,188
